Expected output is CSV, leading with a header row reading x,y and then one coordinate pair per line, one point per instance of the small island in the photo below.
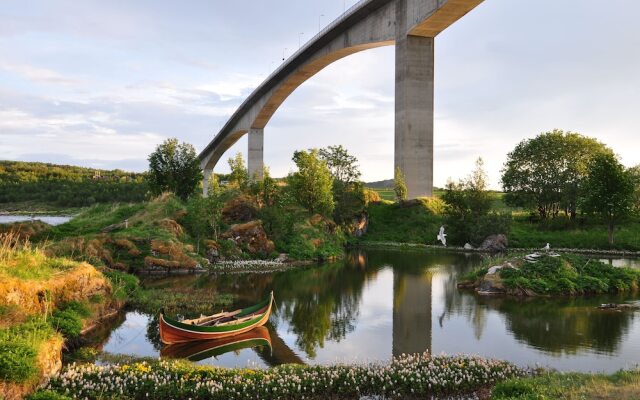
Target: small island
x,y
549,275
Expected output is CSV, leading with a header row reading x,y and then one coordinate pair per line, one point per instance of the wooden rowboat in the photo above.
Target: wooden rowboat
x,y
215,326
202,349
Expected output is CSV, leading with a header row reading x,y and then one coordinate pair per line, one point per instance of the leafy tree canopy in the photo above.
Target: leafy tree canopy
x,y
174,167
343,166
399,185
546,172
312,184
608,190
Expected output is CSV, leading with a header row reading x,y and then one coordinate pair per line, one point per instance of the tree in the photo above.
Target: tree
x,y
546,172
174,167
204,214
343,166
312,184
264,190
348,191
635,177
608,190
239,176
468,209
399,186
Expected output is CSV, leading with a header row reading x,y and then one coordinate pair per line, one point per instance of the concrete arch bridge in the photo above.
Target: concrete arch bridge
x,y
410,25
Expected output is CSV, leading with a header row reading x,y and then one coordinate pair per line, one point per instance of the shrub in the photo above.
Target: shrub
x,y
18,362
68,322
47,395
124,285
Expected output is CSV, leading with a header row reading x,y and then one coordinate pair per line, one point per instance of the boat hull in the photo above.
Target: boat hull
x,y
200,350
172,331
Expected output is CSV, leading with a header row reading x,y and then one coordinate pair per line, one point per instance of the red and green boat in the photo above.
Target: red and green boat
x,y
217,326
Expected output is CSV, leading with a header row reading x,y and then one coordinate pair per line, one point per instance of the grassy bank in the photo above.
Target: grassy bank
x,y
44,301
623,385
567,275
419,221
414,376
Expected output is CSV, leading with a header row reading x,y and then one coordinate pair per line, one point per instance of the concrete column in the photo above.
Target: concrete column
x,y
255,160
205,182
414,111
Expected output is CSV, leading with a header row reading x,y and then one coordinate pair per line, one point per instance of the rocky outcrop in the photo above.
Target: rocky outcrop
x,y
360,225
495,243
251,237
239,210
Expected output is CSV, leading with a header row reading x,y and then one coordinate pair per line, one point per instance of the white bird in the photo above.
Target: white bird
x,y
442,236
547,247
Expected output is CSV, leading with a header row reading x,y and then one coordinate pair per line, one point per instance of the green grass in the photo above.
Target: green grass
x,y
565,275
563,233
394,222
19,347
623,385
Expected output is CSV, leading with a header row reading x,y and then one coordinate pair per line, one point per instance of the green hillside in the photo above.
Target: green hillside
x,y
26,186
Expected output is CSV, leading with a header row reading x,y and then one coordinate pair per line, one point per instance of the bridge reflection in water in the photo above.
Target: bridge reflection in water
x,y
379,303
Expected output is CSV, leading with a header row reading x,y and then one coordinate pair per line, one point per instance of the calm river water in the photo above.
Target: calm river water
x,y
379,303
49,219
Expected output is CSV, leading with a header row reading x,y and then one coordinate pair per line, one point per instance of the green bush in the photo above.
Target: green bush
x,y
515,389
67,322
47,395
566,275
124,285
79,308
17,362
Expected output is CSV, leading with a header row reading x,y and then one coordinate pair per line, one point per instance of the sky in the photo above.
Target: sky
x,y
102,83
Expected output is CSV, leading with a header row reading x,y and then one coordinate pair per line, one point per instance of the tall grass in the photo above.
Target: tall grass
x,y
20,259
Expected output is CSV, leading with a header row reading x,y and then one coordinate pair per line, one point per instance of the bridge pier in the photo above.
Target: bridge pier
x,y
255,154
414,113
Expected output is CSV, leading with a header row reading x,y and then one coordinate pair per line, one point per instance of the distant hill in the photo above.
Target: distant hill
x,y
66,186
386,184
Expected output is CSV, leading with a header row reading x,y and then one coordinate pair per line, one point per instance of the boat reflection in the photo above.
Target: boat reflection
x,y
203,349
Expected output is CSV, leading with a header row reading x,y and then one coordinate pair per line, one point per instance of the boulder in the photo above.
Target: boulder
x,y
495,243
239,210
360,225
213,250
251,237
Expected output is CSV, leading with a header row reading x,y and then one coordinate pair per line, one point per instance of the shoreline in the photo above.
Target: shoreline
x,y
458,249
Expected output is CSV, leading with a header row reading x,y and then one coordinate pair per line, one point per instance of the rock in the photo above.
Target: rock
x,y
251,237
239,210
282,257
495,243
619,307
467,246
213,250
491,284
360,225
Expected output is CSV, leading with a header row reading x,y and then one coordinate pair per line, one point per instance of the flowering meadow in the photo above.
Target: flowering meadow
x,y
410,376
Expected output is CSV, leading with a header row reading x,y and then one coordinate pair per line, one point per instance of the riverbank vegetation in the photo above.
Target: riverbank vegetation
x,y
414,376
622,385
559,188
44,302
565,275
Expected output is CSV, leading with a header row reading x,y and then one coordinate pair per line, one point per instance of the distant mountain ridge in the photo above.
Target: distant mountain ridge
x,y
385,184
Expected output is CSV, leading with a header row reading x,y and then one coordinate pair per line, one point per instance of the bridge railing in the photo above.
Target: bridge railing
x,y
308,43
289,60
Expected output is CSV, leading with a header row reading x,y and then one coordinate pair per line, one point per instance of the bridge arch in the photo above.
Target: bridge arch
x,y
409,24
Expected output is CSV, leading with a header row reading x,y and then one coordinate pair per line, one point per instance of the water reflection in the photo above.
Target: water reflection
x,y
376,304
